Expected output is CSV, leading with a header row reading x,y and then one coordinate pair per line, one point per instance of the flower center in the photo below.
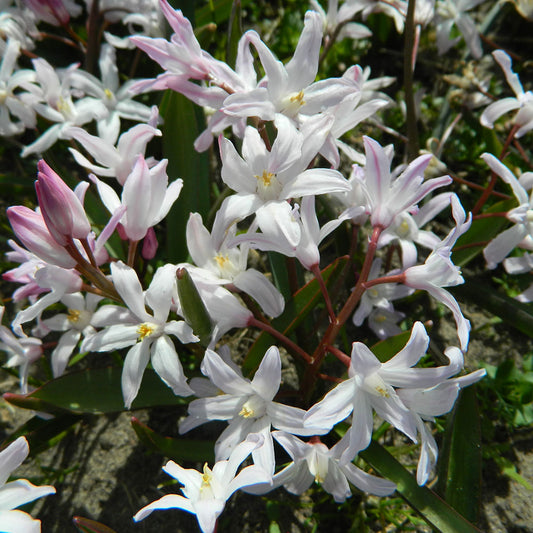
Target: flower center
x,y
253,408
268,186
291,104
78,318
375,385
146,330
206,490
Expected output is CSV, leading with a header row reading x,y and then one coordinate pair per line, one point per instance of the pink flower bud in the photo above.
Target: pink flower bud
x,y
52,11
150,245
62,211
31,230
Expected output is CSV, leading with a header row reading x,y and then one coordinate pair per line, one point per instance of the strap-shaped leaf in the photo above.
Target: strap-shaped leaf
x,y
95,390
431,507
460,457
176,449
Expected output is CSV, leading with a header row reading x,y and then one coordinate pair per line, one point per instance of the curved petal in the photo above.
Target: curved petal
x,y
166,363
267,378
133,370
262,290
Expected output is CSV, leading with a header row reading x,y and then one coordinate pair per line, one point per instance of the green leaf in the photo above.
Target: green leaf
x,y
389,347
193,307
296,309
511,311
95,390
460,457
176,449
234,32
43,434
85,525
217,11
184,121
432,508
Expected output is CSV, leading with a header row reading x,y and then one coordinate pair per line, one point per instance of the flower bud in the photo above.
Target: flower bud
x,y
62,211
31,230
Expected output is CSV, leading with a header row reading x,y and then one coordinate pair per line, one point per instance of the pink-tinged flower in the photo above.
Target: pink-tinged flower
x,y
388,196
303,242
521,234
453,12
117,99
523,100
13,494
261,177
14,102
438,271
223,264
315,462
21,352
372,387
77,322
115,162
248,406
205,493
146,195
61,209
56,282
183,58
55,12
147,334
30,228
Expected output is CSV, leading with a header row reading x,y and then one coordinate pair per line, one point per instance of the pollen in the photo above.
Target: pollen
x,y
73,315
383,392
246,412
298,99
266,178
145,330
206,476
108,94
222,260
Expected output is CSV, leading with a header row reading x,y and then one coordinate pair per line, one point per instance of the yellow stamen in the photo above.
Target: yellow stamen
x,y
246,412
298,98
206,476
266,178
145,330
108,94
73,315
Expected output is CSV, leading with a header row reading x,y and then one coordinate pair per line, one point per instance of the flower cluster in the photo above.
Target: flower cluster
x,y
86,287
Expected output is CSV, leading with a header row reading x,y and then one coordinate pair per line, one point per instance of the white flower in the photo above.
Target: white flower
x,y
523,100
149,334
371,386
221,263
146,195
13,494
14,104
117,162
262,177
453,12
248,406
117,100
74,324
205,493
22,352
521,233
315,462
439,271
